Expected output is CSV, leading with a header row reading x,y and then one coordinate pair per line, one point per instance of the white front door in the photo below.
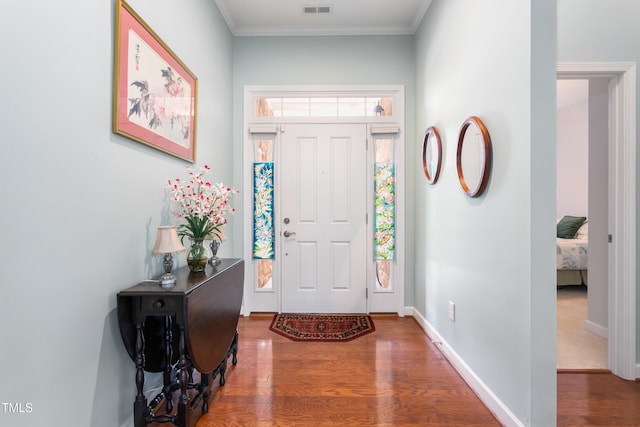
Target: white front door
x,y
323,213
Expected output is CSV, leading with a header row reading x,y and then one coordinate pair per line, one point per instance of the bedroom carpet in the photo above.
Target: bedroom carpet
x,y
577,347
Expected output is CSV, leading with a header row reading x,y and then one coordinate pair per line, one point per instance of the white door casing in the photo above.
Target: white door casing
x,y
255,127
622,215
323,207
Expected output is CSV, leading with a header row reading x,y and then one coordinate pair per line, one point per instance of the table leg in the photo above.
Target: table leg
x,y
204,382
140,403
168,369
234,349
181,416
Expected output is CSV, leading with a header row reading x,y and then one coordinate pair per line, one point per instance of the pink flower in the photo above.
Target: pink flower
x,y
203,204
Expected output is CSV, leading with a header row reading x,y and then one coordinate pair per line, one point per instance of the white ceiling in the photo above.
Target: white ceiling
x,y
346,17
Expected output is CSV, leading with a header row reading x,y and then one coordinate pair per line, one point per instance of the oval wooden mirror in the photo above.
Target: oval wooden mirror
x,y
431,154
473,156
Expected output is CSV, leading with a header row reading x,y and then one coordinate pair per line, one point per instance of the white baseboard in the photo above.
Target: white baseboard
x,y
410,311
490,400
596,329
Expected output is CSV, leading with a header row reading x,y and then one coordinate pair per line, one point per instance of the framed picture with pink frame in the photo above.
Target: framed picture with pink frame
x,y
154,93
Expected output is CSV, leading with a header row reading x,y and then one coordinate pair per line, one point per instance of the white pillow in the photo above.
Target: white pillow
x,y
583,231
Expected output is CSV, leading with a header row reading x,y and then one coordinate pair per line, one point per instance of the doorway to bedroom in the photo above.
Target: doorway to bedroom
x,y
619,236
582,194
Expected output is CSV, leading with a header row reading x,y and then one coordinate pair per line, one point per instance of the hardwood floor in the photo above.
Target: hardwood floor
x,y
597,399
392,377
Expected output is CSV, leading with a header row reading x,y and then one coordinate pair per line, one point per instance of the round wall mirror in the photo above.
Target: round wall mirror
x,y
473,157
431,154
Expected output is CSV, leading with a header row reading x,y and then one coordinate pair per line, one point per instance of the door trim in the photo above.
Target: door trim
x,y
270,301
622,305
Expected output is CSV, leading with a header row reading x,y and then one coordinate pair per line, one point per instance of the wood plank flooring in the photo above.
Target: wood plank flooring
x,y
597,399
392,377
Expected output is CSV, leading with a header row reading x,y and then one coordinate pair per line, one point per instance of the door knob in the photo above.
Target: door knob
x,y
288,233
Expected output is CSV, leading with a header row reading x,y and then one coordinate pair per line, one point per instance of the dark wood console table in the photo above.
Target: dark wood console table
x,y
192,325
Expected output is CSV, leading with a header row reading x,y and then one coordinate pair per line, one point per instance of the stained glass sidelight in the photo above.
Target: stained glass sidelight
x,y
263,230
263,215
384,242
384,211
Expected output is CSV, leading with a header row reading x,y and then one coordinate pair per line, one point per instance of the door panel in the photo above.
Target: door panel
x,y
323,182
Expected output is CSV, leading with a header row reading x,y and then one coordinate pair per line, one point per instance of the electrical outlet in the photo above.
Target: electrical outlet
x,y
452,311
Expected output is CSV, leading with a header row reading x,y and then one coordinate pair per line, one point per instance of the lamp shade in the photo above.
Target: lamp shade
x,y
167,241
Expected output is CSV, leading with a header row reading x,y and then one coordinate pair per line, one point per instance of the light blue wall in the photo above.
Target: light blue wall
x,y
354,60
80,204
492,256
616,38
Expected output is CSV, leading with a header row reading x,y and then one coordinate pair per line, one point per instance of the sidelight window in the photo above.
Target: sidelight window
x,y
263,203
384,199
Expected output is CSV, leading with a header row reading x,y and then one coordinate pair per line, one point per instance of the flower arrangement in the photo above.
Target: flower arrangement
x,y
201,204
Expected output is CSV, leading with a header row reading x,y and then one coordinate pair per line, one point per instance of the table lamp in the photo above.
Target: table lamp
x,y
167,243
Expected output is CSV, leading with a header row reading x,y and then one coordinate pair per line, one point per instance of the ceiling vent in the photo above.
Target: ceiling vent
x,y
316,10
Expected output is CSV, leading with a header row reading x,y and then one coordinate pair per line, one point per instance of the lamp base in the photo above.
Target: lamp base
x,y
167,280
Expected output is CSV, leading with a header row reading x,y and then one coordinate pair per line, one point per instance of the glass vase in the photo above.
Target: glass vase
x,y
197,255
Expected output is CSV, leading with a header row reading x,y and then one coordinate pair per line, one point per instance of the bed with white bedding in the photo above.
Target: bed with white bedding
x,y
572,258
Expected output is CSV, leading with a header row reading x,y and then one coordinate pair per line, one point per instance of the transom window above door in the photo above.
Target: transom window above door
x,y
324,106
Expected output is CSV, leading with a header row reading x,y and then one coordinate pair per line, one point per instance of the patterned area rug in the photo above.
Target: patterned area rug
x,y
322,327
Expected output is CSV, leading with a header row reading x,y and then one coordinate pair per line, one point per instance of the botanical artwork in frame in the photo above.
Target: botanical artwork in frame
x,y
384,215
154,93
263,225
